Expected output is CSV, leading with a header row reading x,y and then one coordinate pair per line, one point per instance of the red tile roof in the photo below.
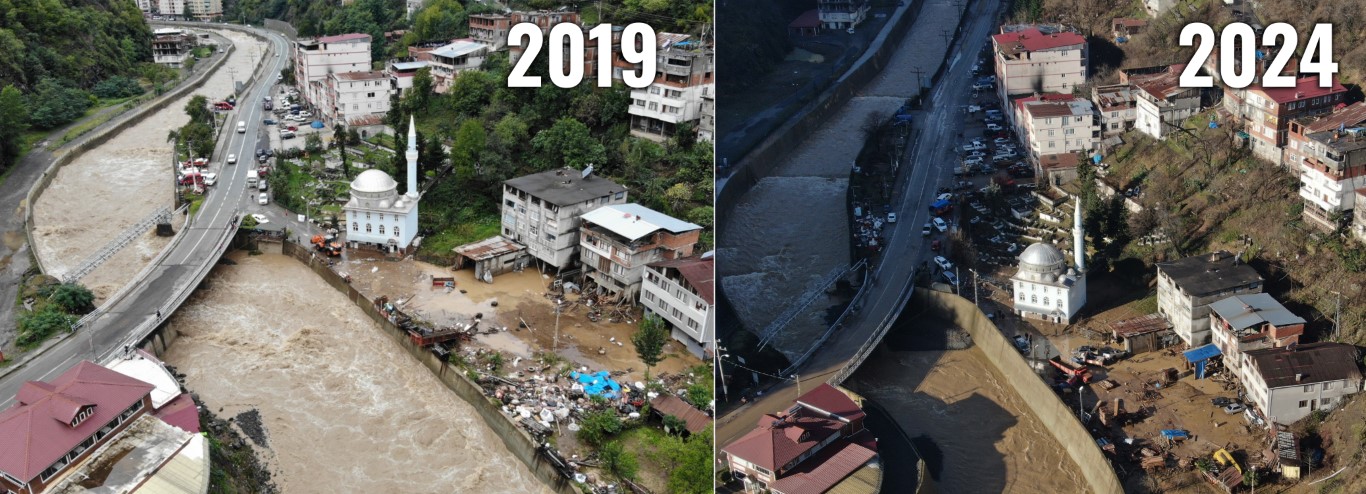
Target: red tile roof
x,y
1130,22
36,431
673,405
809,19
1034,40
180,412
343,37
779,440
1305,88
700,274
829,399
821,472
1162,84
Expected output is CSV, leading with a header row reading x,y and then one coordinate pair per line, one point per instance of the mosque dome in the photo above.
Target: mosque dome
x,y
373,181
1042,262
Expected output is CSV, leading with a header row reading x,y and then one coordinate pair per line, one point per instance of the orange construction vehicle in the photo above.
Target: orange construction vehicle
x,y
1075,375
327,245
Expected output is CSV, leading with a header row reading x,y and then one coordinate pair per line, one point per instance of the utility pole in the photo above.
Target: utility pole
x,y
798,378
974,285
947,35
716,357
1337,317
556,344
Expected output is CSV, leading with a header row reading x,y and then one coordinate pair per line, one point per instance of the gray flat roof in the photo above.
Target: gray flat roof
x,y
1209,273
564,186
1245,311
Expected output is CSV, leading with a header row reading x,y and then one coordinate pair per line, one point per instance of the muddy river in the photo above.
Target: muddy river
x,y
131,171
333,393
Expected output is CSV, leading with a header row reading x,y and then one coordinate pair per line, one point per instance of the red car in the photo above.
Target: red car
x,y
291,128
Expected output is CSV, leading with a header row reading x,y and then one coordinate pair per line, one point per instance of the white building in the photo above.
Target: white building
x,y
147,6
171,8
1157,7
1243,323
1187,287
682,79
1287,384
542,211
1330,154
842,14
682,292
1059,127
450,60
172,46
314,59
204,10
1163,104
1045,287
353,95
376,213
1116,106
1034,59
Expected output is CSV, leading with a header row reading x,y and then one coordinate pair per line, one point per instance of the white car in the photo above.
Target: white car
x,y
993,127
305,114
973,161
232,159
973,108
943,263
263,199
1001,140
926,230
951,278
945,196
974,146
940,225
210,179
891,217
976,154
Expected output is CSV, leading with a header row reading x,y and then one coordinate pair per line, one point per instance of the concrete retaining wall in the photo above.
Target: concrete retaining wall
x,y
1042,401
517,440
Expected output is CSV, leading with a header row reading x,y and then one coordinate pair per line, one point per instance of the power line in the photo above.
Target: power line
x,y
757,371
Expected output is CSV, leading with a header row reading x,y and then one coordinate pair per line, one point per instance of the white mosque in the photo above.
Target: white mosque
x,y
1045,286
376,213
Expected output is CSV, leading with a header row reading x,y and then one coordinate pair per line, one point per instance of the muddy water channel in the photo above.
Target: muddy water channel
x,y
111,187
974,431
342,409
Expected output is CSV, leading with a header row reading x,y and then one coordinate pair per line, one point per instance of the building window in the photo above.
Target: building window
x,y
619,196
650,296
1304,404
692,324
1045,300
1309,388
1033,299
370,95
367,215
367,228
654,106
396,231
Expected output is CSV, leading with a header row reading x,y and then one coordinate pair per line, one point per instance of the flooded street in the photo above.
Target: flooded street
x,y
121,182
975,432
343,409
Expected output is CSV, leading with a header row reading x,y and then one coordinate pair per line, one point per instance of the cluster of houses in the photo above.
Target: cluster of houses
x,y
123,427
198,10
335,73
571,221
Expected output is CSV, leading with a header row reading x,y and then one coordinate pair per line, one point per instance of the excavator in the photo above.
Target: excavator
x,y
327,245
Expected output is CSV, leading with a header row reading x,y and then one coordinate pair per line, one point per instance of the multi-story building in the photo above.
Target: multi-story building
x,y
617,241
683,293
491,30
1038,59
1267,112
1162,103
172,9
706,127
1289,383
314,59
842,14
543,19
171,46
1044,286
542,211
1187,287
1059,127
402,71
376,213
682,76
1359,216
1116,106
812,447
351,95
1242,323
449,60
1330,155
204,10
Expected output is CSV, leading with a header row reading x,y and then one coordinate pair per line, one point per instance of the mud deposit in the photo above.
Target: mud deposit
x,y
111,187
975,433
342,408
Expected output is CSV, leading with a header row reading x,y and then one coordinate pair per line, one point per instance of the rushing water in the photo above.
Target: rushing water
x,y
120,182
344,408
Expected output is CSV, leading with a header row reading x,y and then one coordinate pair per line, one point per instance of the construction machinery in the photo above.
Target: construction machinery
x,y
327,245
1076,375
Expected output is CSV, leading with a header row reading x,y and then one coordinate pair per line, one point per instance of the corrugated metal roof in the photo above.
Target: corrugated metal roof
x,y
1201,353
1245,311
779,440
818,474
634,221
699,272
673,405
1312,363
487,248
1150,323
458,49
830,399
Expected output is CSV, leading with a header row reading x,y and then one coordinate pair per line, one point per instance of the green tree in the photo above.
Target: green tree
x,y
198,109
417,96
469,141
617,460
433,155
57,103
692,472
339,140
674,424
198,138
440,20
649,340
117,87
13,124
313,144
34,327
700,394
678,197
72,298
566,143
598,426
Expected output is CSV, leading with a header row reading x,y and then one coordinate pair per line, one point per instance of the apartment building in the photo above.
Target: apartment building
x,y
449,60
204,10
353,95
682,292
683,76
402,71
617,241
706,127
1163,104
315,58
542,211
1289,383
1187,287
1243,323
1117,107
842,14
1267,112
1330,155
1038,59
490,30
172,9
1059,127
543,19
171,46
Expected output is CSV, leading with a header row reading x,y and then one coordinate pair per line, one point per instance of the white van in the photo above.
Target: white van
x,y
241,127
252,177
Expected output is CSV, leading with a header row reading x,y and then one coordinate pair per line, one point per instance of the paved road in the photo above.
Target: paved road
x,y
933,158
199,246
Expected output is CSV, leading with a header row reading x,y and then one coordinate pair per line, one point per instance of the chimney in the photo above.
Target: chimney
x,y
1299,377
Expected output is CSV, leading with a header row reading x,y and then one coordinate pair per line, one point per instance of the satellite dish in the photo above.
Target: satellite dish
x,y
588,171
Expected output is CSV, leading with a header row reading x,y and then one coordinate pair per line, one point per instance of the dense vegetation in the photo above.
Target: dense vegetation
x,y
53,307
760,27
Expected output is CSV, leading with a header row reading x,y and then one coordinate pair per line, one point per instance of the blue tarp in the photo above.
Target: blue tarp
x,y
940,204
1199,356
598,383
1175,434
317,124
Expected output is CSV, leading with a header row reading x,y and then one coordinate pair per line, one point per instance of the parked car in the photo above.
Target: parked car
x,y
994,127
926,230
943,263
891,217
292,128
981,86
973,108
951,278
976,154
210,179
288,134
974,146
263,199
232,159
268,121
934,246
1234,408
1001,140
940,225
973,161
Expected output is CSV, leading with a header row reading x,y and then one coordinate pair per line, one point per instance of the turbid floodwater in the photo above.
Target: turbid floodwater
x,y
341,407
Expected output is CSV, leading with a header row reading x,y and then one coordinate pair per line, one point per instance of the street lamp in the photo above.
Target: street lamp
x,y
716,359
